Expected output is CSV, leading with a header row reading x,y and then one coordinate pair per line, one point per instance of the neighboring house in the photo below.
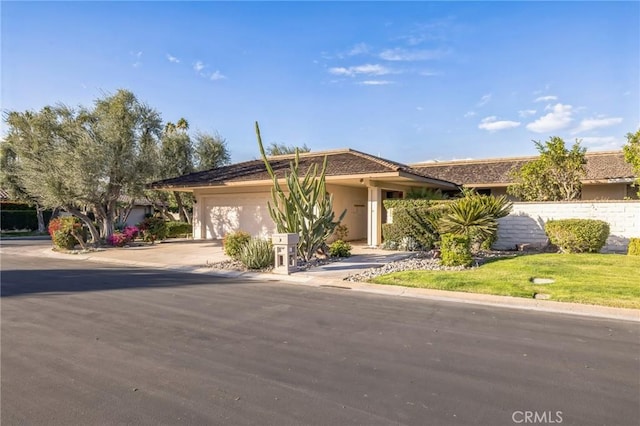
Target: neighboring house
x,y
235,197
135,212
608,176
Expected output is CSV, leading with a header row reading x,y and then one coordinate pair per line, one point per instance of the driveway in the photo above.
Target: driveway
x,y
86,343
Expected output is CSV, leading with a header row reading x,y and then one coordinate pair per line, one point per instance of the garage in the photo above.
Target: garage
x,y
227,213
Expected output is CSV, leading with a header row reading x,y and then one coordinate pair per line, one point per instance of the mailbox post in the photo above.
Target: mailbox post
x,y
286,248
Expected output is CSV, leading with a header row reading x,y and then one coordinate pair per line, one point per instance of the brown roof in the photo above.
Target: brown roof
x,y
600,166
339,163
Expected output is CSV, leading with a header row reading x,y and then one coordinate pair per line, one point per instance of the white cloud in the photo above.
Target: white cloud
x,y
559,118
419,108
547,98
198,66
359,49
484,100
469,114
492,124
526,112
375,82
429,73
400,54
137,56
371,69
596,123
173,59
217,75
604,143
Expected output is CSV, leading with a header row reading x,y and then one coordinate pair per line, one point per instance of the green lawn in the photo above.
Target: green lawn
x,y
597,279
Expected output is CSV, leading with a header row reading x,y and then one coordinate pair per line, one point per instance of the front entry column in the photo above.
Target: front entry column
x,y
374,217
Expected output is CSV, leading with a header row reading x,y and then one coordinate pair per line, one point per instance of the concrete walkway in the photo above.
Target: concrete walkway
x,y
197,256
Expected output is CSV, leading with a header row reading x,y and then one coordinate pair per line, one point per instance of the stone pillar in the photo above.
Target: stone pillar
x,y
286,252
374,217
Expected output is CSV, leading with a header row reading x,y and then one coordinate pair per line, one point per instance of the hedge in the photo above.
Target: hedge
x,y
577,235
22,219
178,229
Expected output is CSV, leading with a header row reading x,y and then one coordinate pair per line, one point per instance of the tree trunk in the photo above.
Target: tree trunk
x,y
39,212
95,235
181,209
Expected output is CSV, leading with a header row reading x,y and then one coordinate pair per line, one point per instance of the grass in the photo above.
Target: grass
x,y
596,279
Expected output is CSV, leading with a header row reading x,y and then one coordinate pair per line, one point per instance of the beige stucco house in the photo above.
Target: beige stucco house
x,y
608,176
235,197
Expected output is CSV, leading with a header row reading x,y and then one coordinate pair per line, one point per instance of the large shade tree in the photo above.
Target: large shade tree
x,y
84,159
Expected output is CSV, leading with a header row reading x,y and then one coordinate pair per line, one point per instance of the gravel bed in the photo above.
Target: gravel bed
x,y
422,261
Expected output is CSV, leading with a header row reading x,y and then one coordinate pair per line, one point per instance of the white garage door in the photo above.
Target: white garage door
x,y
229,213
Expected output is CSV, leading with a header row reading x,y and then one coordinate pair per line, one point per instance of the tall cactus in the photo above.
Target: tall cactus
x,y
306,208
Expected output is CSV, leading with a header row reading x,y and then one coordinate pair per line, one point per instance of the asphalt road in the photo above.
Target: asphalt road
x,y
87,344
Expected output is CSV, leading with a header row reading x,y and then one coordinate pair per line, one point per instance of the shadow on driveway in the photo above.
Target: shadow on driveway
x,y
54,281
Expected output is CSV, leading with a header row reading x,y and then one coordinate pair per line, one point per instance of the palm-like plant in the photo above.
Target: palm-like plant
x,y
476,216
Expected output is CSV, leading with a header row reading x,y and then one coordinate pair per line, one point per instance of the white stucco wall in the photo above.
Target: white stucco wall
x,y
525,223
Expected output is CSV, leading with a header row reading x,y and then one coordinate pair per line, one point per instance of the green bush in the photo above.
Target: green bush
x,y
417,223
634,247
153,229
257,253
577,235
66,232
340,248
233,242
476,216
178,229
391,233
456,250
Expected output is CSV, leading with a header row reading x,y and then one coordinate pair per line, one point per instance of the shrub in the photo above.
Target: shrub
x,y
178,229
417,223
340,248
257,253
475,216
634,247
341,232
124,237
234,242
153,228
391,234
577,235
66,232
456,250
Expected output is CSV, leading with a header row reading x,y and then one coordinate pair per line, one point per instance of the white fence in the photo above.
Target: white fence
x,y
525,223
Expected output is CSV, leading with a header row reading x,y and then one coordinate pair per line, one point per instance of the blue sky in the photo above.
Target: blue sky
x,y
409,81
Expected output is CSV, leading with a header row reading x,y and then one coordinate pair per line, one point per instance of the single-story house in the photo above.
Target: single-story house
x,y
235,197
608,176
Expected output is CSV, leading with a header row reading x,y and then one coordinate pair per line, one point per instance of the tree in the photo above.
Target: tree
x,y
9,182
554,176
177,158
282,149
305,208
84,160
632,155
210,151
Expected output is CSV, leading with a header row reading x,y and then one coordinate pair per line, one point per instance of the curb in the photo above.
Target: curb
x,y
300,278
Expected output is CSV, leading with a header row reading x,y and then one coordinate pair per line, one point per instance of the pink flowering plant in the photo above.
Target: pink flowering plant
x,y
124,237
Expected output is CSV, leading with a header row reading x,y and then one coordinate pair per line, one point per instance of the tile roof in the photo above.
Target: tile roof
x,y
600,166
339,163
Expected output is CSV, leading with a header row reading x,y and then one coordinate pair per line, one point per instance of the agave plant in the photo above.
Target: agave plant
x,y
476,216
